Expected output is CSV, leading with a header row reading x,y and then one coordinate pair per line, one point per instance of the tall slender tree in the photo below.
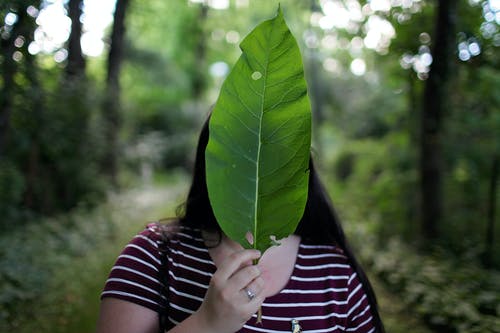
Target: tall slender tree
x,y
434,104
111,104
198,83
9,68
76,62
492,199
33,196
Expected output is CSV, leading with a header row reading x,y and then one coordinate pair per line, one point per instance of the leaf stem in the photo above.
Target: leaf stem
x,y
259,316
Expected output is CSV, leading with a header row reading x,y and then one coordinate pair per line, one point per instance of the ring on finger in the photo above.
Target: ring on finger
x,y
249,293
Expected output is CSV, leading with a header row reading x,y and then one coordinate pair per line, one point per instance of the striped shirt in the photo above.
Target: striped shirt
x,y
323,292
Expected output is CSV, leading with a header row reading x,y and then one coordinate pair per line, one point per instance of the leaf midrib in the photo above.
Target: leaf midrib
x,y
268,51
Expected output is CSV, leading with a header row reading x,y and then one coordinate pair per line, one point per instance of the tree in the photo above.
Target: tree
x,y
9,69
76,62
434,104
111,104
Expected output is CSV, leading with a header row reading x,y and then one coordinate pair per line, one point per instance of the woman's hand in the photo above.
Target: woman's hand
x,y
234,294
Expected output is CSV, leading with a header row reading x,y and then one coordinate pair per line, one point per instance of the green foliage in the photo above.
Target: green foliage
x,y
367,136
378,174
66,260
450,294
12,187
260,132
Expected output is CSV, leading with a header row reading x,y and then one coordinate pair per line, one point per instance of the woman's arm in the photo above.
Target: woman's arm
x,y
119,316
226,306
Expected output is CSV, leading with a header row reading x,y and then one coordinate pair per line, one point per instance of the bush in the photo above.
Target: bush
x,y
450,294
11,191
40,262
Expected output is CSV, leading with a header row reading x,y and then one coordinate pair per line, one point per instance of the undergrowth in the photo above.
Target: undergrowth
x,y
52,271
450,294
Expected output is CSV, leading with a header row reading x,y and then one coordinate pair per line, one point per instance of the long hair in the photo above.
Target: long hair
x,y
319,223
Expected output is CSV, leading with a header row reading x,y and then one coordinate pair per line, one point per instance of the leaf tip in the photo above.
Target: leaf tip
x,y
279,12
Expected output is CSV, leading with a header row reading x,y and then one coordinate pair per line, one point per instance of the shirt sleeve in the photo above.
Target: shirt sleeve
x,y
359,316
135,274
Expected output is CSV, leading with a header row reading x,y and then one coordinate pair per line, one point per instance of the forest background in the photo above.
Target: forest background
x,y
101,101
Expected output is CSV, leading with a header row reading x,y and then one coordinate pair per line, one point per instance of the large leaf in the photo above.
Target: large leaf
x,y
260,135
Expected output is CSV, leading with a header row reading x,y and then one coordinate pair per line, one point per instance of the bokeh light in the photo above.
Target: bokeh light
x,y
10,19
219,69
358,67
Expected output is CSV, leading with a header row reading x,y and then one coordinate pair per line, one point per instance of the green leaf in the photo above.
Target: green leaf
x,y
257,157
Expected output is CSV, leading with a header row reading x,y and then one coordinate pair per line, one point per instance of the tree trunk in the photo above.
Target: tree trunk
x,y
111,105
198,82
9,69
435,101
316,90
76,62
492,201
33,197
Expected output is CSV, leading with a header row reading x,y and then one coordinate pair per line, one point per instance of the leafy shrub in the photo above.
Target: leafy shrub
x,y
37,259
450,294
11,190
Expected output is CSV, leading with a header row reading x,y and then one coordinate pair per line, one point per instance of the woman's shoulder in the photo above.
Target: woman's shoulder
x,y
170,231
323,262
313,250
325,257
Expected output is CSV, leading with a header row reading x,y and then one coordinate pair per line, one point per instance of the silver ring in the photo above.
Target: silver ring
x,y
250,294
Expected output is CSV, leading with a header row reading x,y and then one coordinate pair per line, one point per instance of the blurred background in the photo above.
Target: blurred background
x,y
101,102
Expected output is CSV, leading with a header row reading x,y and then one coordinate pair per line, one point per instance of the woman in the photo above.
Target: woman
x,y
199,280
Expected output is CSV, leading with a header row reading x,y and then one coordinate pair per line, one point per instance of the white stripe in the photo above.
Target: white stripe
x,y
351,278
145,252
175,322
321,278
321,266
315,291
187,281
200,249
324,330
154,229
155,245
317,246
191,257
284,305
361,313
333,314
172,289
114,292
180,308
189,268
258,329
138,260
134,284
356,305
189,236
323,255
353,292
123,268
362,324
372,330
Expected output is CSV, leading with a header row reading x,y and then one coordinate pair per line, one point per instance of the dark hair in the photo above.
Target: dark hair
x,y
319,223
